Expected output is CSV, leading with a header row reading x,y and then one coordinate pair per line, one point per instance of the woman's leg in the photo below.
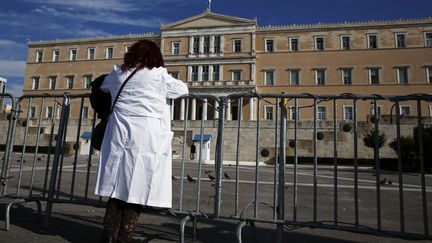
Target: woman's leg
x,y
112,219
129,219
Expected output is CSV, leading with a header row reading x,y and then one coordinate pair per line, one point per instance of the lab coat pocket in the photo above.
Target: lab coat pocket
x,y
166,143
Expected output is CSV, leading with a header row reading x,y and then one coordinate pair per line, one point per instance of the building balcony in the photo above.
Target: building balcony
x,y
220,83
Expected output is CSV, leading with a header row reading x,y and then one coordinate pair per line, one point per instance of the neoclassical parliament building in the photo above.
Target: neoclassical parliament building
x,y
219,55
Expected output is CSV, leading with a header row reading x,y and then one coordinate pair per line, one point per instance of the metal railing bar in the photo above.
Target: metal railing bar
x,y
36,147
422,167
335,164
237,176
355,135
377,164
76,146
315,192
185,124
24,146
257,158
276,162
296,128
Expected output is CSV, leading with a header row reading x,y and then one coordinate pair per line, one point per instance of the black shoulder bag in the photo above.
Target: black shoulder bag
x,y
98,131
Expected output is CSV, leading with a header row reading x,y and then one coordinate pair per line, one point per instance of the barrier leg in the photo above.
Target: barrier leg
x,y
239,231
182,228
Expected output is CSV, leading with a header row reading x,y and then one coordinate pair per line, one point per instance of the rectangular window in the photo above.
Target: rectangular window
x,y
85,112
428,39
52,82
374,75
32,112
69,82
205,73
402,75
294,112
400,40
429,74
295,77
206,47
196,44
319,43
405,110
269,45
346,76
175,48
237,46
320,76
109,52
269,77
194,76
294,44
345,42
321,113
49,112
216,70
372,41
56,55
217,44
39,56
87,81
236,75
91,53
73,54
348,113
35,83
268,110
379,109
174,74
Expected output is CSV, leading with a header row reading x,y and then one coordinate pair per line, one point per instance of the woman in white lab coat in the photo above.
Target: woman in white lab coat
x,y
135,159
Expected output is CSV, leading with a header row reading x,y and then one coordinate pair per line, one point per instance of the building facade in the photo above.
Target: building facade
x,y
219,55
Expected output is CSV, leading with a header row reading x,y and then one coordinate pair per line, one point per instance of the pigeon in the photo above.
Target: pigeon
x,y
207,171
172,177
227,176
386,182
212,178
39,158
190,179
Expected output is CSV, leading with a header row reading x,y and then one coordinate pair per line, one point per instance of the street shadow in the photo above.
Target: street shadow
x,y
71,228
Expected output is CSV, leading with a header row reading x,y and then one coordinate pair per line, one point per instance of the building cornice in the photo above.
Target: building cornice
x,y
347,25
93,39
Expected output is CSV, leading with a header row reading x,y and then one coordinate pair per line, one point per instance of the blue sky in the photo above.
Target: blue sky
x,y
22,20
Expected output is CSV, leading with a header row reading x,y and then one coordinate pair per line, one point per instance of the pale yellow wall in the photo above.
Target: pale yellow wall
x,y
415,56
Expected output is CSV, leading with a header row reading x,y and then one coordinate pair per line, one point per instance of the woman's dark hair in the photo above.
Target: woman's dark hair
x,y
142,54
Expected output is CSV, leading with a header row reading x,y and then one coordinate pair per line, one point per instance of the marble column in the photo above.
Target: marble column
x,y
228,110
251,109
193,109
172,109
216,106
204,110
182,109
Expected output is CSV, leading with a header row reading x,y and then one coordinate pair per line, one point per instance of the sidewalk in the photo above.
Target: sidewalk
x,y
77,223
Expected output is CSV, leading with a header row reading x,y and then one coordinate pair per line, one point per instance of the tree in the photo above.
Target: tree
x,y
369,139
408,150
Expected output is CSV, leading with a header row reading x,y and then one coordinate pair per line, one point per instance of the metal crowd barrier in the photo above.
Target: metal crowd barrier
x,y
284,206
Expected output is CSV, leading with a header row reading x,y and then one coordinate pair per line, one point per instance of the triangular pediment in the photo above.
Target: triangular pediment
x,y
208,19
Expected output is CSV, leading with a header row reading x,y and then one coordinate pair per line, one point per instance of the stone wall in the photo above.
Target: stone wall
x,y
345,144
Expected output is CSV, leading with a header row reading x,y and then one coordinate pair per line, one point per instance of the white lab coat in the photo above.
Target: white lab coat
x,y
135,159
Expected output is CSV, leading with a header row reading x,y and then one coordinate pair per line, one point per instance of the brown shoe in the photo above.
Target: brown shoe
x,y
130,216
112,219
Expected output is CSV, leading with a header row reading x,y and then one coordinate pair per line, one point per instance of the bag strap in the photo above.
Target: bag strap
x,y
120,90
